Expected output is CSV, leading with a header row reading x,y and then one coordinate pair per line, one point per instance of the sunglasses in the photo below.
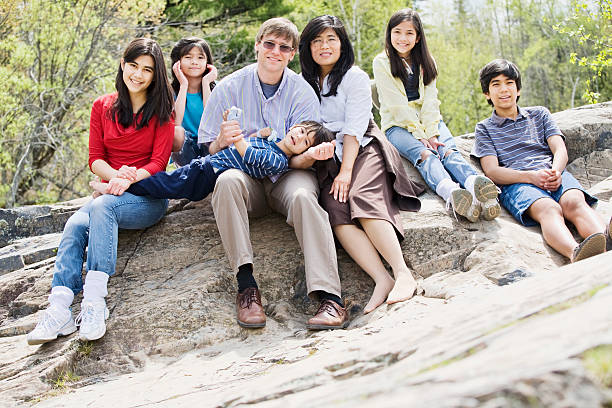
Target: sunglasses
x,y
270,45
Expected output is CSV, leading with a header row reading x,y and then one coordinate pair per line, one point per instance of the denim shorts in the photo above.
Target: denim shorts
x,y
517,198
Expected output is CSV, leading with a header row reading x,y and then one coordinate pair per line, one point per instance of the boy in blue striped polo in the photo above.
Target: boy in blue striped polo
x,y
523,151
255,155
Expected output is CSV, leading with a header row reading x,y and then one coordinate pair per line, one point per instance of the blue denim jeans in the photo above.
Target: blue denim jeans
x,y
437,166
95,227
190,150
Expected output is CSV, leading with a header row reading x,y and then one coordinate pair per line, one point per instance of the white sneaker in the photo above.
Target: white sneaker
x,y
91,320
54,322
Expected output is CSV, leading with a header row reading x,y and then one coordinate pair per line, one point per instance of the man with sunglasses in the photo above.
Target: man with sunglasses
x,y
271,95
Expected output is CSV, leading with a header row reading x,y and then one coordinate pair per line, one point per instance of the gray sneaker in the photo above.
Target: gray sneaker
x,y
461,202
592,245
486,192
53,322
92,320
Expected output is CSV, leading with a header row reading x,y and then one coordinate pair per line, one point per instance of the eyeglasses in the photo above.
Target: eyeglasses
x,y
270,45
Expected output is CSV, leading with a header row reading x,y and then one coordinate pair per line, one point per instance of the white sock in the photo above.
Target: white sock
x,y
95,286
445,188
469,184
61,297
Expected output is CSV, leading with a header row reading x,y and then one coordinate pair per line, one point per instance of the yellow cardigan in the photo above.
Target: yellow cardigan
x,y
420,117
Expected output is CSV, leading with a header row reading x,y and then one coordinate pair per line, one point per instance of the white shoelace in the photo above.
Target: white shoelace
x,y
48,321
87,315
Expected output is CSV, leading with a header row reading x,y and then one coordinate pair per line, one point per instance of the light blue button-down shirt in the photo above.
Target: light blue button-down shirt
x,y
294,102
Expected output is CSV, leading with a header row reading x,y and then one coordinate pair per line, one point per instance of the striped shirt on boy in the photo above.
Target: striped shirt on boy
x,y
261,159
519,144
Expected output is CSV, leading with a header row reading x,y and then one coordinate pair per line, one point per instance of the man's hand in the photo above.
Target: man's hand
x,y
323,151
229,132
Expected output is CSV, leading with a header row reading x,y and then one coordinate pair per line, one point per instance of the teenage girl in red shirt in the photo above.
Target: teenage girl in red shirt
x,y
130,139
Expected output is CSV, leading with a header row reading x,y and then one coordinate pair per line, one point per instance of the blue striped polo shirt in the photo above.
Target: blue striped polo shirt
x,y
520,144
261,159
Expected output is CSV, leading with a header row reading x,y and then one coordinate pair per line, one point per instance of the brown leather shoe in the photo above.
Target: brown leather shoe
x,y
329,316
249,309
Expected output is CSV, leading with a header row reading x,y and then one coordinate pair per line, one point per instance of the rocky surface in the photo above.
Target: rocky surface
x,y
500,321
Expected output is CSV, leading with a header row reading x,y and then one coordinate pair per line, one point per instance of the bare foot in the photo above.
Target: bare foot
x,y
98,187
404,288
381,290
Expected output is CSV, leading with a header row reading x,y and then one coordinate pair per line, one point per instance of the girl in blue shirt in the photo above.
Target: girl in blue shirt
x,y
193,79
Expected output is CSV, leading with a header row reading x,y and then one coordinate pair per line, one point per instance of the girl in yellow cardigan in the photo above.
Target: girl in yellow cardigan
x,y
405,76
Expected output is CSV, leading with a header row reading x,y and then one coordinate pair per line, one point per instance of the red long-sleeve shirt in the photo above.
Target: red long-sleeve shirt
x,y
147,148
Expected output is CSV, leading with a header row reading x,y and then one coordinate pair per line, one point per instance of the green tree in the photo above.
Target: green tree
x,y
591,25
56,57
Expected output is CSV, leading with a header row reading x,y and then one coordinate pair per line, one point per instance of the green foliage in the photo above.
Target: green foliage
x,y
57,57
64,378
591,26
598,361
365,22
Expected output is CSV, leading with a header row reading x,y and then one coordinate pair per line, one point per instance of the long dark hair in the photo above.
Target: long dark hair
x,y
419,55
159,94
310,69
182,47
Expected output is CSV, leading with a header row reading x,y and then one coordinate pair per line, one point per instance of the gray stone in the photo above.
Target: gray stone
x,y
499,320
30,221
586,129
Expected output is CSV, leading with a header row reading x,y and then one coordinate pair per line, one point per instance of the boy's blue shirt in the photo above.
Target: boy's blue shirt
x,y
520,144
262,158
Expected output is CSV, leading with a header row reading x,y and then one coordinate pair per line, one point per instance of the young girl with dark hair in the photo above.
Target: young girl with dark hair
x,y
193,79
364,185
130,138
405,76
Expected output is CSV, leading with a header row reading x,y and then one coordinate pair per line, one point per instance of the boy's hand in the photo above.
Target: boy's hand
x,y
264,133
323,151
554,180
540,178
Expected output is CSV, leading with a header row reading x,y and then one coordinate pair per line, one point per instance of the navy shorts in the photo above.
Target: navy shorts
x,y
517,198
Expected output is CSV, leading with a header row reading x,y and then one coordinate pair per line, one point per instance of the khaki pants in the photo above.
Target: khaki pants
x,y
295,195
